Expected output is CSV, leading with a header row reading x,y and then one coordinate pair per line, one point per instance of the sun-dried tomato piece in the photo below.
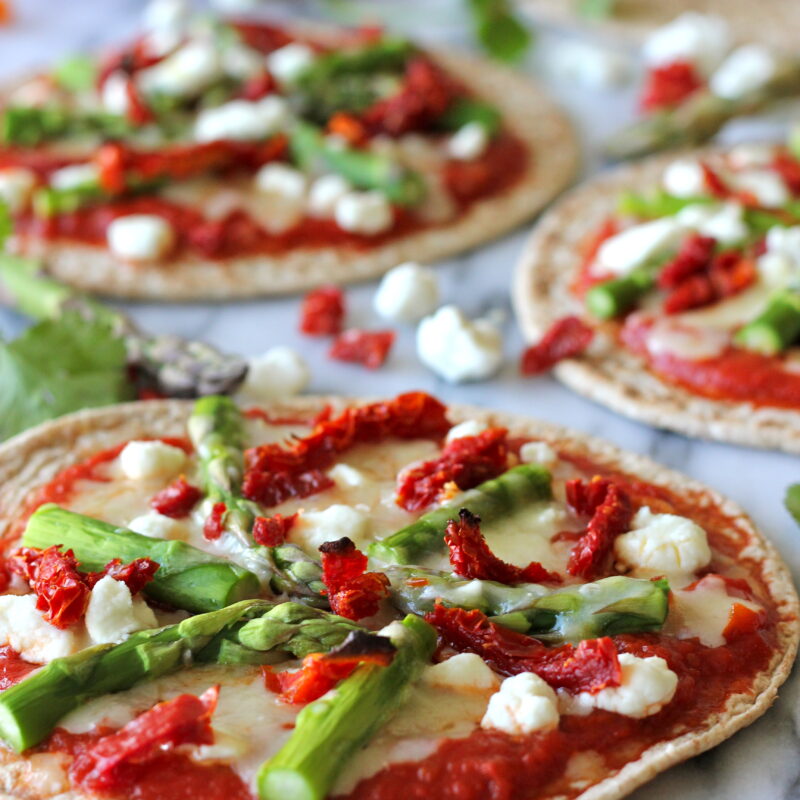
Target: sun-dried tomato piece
x,y
61,590
742,620
258,87
694,256
789,169
277,472
591,666
714,182
322,311
215,522
186,719
669,85
349,127
135,575
352,591
695,292
566,338
611,513
177,499
465,462
320,672
471,557
369,348
272,531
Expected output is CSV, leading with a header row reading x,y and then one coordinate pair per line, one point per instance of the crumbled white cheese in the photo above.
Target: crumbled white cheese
x,y
768,188
241,62
158,526
185,73
463,671
633,246
538,453
470,427
779,266
283,182
16,187
150,459
525,703
140,237
242,120
459,349
114,93
314,528
742,156
113,614
26,631
346,477
647,685
289,62
325,192
75,176
407,293
684,178
589,65
701,39
724,222
468,142
367,213
675,336
663,543
169,14
745,70
275,375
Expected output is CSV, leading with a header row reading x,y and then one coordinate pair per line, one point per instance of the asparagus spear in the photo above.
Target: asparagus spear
x,y
31,709
592,610
28,127
701,117
330,730
775,328
615,297
363,168
175,367
187,577
491,500
466,110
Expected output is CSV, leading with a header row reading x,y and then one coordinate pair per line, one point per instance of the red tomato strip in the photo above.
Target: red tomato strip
x,y
135,575
186,719
322,312
611,512
694,256
743,621
589,667
369,348
566,338
215,522
471,557
669,85
352,591
276,473
177,500
465,462
272,531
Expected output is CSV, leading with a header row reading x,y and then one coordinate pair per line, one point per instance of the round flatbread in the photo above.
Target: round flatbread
x,y
35,457
772,22
612,375
528,112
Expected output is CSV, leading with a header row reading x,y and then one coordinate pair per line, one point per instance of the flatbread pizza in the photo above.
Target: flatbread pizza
x,y
331,598
240,158
686,330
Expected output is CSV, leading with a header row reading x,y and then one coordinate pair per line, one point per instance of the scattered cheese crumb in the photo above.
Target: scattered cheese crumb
x,y
150,459
407,293
524,704
465,671
325,193
289,62
685,178
75,176
470,427
283,182
275,375
701,39
367,213
538,453
113,614
468,142
140,237
158,526
745,70
242,120
314,528
345,476
24,628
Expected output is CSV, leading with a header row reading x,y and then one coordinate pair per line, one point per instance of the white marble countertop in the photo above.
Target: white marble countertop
x,y
759,763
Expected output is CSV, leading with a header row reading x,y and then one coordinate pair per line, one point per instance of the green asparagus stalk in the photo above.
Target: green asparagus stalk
x,y
187,577
329,731
28,127
491,500
31,709
619,295
604,608
775,328
363,168
175,367
466,110
701,117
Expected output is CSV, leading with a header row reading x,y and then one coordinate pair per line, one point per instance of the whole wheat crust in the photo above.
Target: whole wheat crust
x,y
35,457
528,112
612,375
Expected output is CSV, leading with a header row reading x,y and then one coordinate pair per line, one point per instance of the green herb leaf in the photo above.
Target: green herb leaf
x,y
58,366
596,9
76,73
792,501
499,32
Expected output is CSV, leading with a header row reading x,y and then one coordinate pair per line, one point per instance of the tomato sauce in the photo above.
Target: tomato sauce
x,y
239,234
13,668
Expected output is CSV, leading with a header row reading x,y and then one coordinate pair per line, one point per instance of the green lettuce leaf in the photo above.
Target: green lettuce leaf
x,y
58,366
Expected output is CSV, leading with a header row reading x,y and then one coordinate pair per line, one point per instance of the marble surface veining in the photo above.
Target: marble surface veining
x,y
760,763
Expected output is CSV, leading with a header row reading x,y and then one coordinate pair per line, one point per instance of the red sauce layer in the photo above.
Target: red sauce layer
x,y
13,668
240,235
736,374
